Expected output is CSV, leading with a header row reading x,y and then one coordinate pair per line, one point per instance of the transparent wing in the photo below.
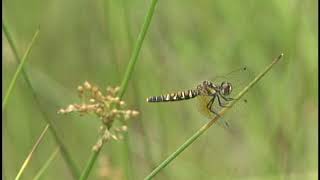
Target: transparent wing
x,y
238,78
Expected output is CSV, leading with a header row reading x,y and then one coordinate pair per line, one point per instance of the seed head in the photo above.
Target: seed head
x,y
106,106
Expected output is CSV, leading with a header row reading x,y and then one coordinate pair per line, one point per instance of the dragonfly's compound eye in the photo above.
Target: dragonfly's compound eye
x,y
226,88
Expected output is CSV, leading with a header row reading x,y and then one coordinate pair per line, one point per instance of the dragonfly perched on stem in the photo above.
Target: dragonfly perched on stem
x,y
207,93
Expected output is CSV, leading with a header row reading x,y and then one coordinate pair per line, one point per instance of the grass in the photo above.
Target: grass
x,y
24,165
273,134
20,69
46,165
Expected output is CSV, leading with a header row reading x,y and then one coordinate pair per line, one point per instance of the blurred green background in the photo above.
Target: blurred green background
x,y
275,134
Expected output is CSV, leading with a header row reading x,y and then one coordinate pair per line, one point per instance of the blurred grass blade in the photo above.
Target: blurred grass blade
x,y
10,40
128,73
211,122
137,48
25,163
46,165
17,73
64,153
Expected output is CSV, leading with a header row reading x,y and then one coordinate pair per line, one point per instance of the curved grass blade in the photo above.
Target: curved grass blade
x,y
210,123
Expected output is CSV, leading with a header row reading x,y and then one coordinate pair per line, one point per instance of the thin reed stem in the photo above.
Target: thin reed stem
x,y
137,48
46,165
25,163
128,74
210,123
90,164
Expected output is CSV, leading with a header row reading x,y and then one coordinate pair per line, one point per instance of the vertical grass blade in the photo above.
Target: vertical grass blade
x,y
18,71
25,163
90,164
10,40
128,73
137,48
211,122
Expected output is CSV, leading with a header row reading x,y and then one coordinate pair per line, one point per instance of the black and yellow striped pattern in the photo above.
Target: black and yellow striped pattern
x,y
179,96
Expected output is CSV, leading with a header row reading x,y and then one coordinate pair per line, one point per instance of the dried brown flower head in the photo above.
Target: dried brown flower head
x,y
106,106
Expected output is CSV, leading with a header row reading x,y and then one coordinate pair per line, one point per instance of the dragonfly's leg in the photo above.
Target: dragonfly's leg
x,y
214,112
209,106
220,104
231,99
227,98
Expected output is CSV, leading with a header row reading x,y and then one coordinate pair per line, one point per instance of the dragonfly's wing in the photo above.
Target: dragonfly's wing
x,y
203,109
238,78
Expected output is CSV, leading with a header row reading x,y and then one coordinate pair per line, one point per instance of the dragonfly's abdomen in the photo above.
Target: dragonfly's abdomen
x,y
179,96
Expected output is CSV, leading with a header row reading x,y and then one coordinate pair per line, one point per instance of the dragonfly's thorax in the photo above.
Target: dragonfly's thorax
x,y
207,88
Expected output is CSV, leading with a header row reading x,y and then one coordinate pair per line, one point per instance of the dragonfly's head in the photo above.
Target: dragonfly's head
x,y
225,88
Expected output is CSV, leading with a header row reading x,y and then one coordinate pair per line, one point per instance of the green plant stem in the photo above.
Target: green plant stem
x,y
46,165
90,164
64,153
126,156
137,48
18,71
128,73
210,123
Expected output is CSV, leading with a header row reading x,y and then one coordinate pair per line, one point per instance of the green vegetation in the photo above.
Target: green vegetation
x,y
272,136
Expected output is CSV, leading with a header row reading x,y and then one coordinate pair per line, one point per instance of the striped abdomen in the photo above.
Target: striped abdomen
x,y
182,95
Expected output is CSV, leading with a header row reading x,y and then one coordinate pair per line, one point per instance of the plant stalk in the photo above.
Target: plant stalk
x,y
128,74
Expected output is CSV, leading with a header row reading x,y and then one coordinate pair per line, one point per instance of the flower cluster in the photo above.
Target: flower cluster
x,y
106,106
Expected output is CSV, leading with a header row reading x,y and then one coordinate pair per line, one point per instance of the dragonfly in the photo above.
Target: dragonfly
x,y
207,93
